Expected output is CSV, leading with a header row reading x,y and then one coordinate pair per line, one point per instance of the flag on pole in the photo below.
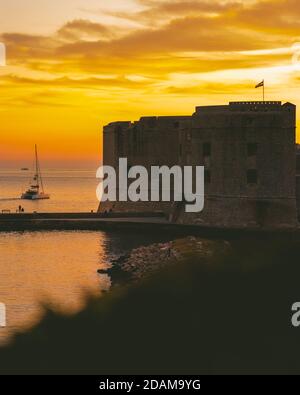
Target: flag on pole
x,y
262,83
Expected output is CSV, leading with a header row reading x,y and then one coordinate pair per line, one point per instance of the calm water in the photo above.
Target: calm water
x,y
70,190
48,266
58,267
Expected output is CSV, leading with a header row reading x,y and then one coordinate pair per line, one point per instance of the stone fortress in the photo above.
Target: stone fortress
x,y
248,150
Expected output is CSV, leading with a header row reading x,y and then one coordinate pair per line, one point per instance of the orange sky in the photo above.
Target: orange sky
x,y
73,66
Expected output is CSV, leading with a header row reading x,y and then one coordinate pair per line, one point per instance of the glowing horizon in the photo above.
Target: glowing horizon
x,y
73,68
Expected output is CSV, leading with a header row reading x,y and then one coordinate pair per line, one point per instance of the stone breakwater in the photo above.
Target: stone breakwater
x,y
142,262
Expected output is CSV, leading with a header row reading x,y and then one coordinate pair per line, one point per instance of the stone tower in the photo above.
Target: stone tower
x,y
247,148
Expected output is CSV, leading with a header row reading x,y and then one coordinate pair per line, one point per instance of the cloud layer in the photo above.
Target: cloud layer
x,y
163,57
169,31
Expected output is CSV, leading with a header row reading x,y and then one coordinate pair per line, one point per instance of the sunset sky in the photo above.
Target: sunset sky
x,y
75,65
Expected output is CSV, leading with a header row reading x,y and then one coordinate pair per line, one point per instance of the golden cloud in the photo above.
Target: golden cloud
x,y
172,56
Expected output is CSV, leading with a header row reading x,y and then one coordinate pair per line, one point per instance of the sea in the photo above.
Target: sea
x,y
70,190
58,268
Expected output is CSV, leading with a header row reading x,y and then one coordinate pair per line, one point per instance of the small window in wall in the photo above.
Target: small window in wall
x,y
135,142
129,166
207,176
251,149
206,149
252,176
249,121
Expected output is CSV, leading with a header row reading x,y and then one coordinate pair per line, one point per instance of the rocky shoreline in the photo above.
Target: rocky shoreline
x,y
144,261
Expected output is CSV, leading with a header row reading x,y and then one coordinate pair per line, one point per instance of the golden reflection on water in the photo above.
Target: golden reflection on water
x,y
59,267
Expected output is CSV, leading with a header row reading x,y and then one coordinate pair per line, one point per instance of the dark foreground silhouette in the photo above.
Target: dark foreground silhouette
x,y
229,316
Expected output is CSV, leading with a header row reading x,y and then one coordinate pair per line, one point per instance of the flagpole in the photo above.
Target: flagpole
x,y
262,84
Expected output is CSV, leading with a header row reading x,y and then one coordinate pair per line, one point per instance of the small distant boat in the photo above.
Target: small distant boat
x,y
36,189
24,169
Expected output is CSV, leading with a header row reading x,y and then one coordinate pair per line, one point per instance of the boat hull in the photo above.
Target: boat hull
x,y
33,193
26,196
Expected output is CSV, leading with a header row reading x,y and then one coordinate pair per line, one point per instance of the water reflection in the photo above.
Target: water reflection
x,y
58,267
55,266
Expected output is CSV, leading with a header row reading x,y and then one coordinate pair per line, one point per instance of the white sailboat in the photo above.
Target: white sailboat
x,y
36,189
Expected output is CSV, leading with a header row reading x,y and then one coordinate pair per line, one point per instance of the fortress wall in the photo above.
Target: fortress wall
x,y
248,150
242,213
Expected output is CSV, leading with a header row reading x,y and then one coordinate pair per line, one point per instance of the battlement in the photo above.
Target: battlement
x,y
255,106
255,103
242,106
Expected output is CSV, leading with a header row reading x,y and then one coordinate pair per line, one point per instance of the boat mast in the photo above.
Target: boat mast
x,y
38,170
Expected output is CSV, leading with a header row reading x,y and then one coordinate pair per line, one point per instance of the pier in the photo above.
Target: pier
x,y
141,222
